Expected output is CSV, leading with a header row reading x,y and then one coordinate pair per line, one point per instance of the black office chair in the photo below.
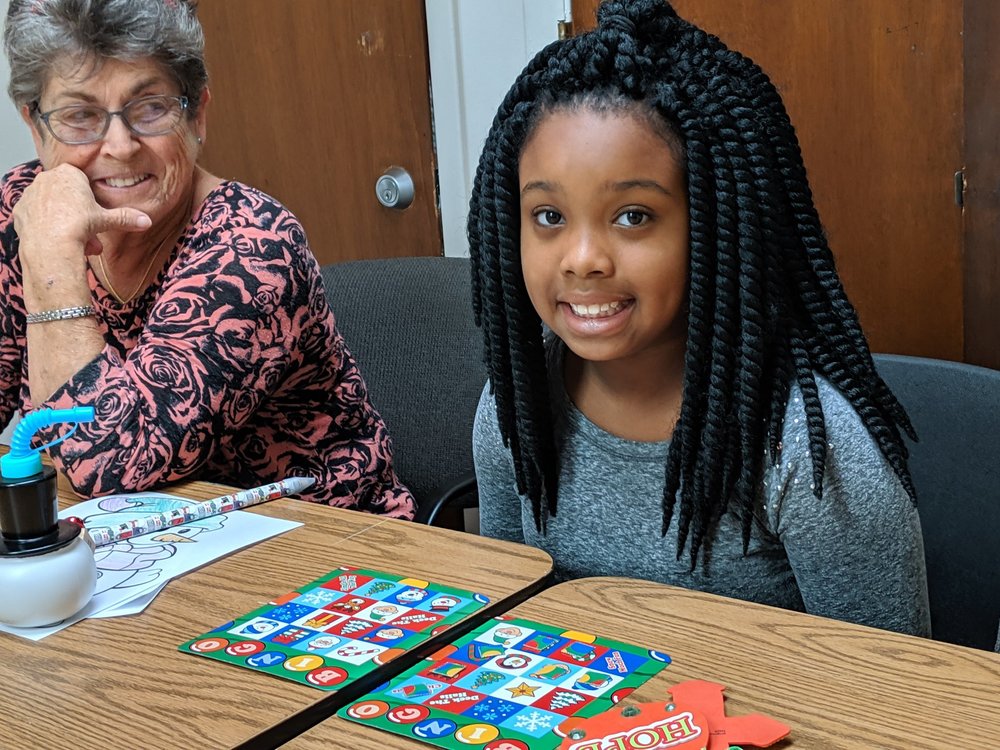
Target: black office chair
x,y
955,410
409,324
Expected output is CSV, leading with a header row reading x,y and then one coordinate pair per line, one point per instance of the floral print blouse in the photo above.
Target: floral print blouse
x,y
228,368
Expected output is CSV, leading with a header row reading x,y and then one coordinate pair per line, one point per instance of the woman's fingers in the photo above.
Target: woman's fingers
x,y
120,219
59,208
58,205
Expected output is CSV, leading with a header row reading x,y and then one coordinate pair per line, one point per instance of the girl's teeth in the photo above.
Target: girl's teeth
x,y
596,311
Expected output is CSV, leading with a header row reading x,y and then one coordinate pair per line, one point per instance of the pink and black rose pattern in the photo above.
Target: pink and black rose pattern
x,y
228,368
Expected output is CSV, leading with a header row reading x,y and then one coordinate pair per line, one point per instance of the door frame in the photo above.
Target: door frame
x,y
476,51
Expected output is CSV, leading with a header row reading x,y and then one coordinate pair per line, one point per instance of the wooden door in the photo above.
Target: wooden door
x,y
312,101
874,89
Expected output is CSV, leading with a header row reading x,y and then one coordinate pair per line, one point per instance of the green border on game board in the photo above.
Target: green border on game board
x,y
316,670
414,720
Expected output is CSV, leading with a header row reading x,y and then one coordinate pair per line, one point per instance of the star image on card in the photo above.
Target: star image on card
x,y
524,689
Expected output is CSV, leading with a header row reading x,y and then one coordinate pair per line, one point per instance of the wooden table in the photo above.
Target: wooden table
x,y
122,683
837,685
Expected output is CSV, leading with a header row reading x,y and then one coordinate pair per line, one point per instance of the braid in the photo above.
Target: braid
x,y
753,348
527,355
814,411
683,453
766,308
713,465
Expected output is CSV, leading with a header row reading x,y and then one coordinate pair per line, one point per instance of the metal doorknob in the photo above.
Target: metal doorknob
x,y
394,189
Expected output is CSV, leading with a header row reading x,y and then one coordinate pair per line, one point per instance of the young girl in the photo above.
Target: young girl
x,y
701,382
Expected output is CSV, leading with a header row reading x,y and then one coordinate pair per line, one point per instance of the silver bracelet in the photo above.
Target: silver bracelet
x,y
63,313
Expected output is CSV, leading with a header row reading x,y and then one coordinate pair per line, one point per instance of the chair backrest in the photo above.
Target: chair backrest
x,y
409,324
955,409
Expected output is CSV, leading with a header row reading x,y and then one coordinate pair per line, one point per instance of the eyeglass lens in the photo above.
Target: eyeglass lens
x,y
85,123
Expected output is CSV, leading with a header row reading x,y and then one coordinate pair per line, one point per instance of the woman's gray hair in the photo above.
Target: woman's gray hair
x,y
40,34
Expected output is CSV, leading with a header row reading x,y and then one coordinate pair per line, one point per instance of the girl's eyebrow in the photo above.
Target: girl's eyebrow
x,y
542,185
620,187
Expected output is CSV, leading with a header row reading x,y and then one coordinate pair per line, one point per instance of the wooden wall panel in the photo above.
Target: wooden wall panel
x,y
874,89
312,105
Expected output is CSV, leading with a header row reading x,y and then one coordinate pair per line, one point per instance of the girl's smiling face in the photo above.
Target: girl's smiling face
x,y
604,235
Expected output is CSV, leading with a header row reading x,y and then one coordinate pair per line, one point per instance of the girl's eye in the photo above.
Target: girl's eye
x,y
632,218
548,218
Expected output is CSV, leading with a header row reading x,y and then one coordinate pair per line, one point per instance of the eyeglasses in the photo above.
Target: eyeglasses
x,y
78,124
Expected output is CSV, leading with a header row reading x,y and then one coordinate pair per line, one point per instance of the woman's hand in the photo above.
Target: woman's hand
x,y
59,222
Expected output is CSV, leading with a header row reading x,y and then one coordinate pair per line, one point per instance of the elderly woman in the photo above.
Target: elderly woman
x,y
186,309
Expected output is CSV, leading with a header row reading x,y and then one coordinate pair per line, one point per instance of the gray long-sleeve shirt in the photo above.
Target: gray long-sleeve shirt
x,y
856,554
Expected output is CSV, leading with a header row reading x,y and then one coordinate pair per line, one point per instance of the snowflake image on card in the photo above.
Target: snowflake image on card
x,y
509,683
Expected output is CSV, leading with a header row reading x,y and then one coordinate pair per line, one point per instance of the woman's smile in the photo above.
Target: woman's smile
x,y
121,182
126,189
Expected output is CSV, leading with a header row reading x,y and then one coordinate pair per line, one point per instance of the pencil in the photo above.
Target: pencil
x,y
103,535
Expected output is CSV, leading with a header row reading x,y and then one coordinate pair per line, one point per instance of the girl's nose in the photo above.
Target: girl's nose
x,y
587,254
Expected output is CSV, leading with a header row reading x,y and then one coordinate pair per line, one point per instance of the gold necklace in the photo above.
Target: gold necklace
x,y
142,282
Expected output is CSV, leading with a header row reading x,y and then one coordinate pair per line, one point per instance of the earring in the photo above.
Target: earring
x,y
199,140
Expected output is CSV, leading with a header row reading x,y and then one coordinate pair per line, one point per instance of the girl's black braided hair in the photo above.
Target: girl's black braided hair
x,y
766,306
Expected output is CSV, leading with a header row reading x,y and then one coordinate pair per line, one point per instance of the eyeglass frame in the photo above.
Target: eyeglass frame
x,y
44,117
